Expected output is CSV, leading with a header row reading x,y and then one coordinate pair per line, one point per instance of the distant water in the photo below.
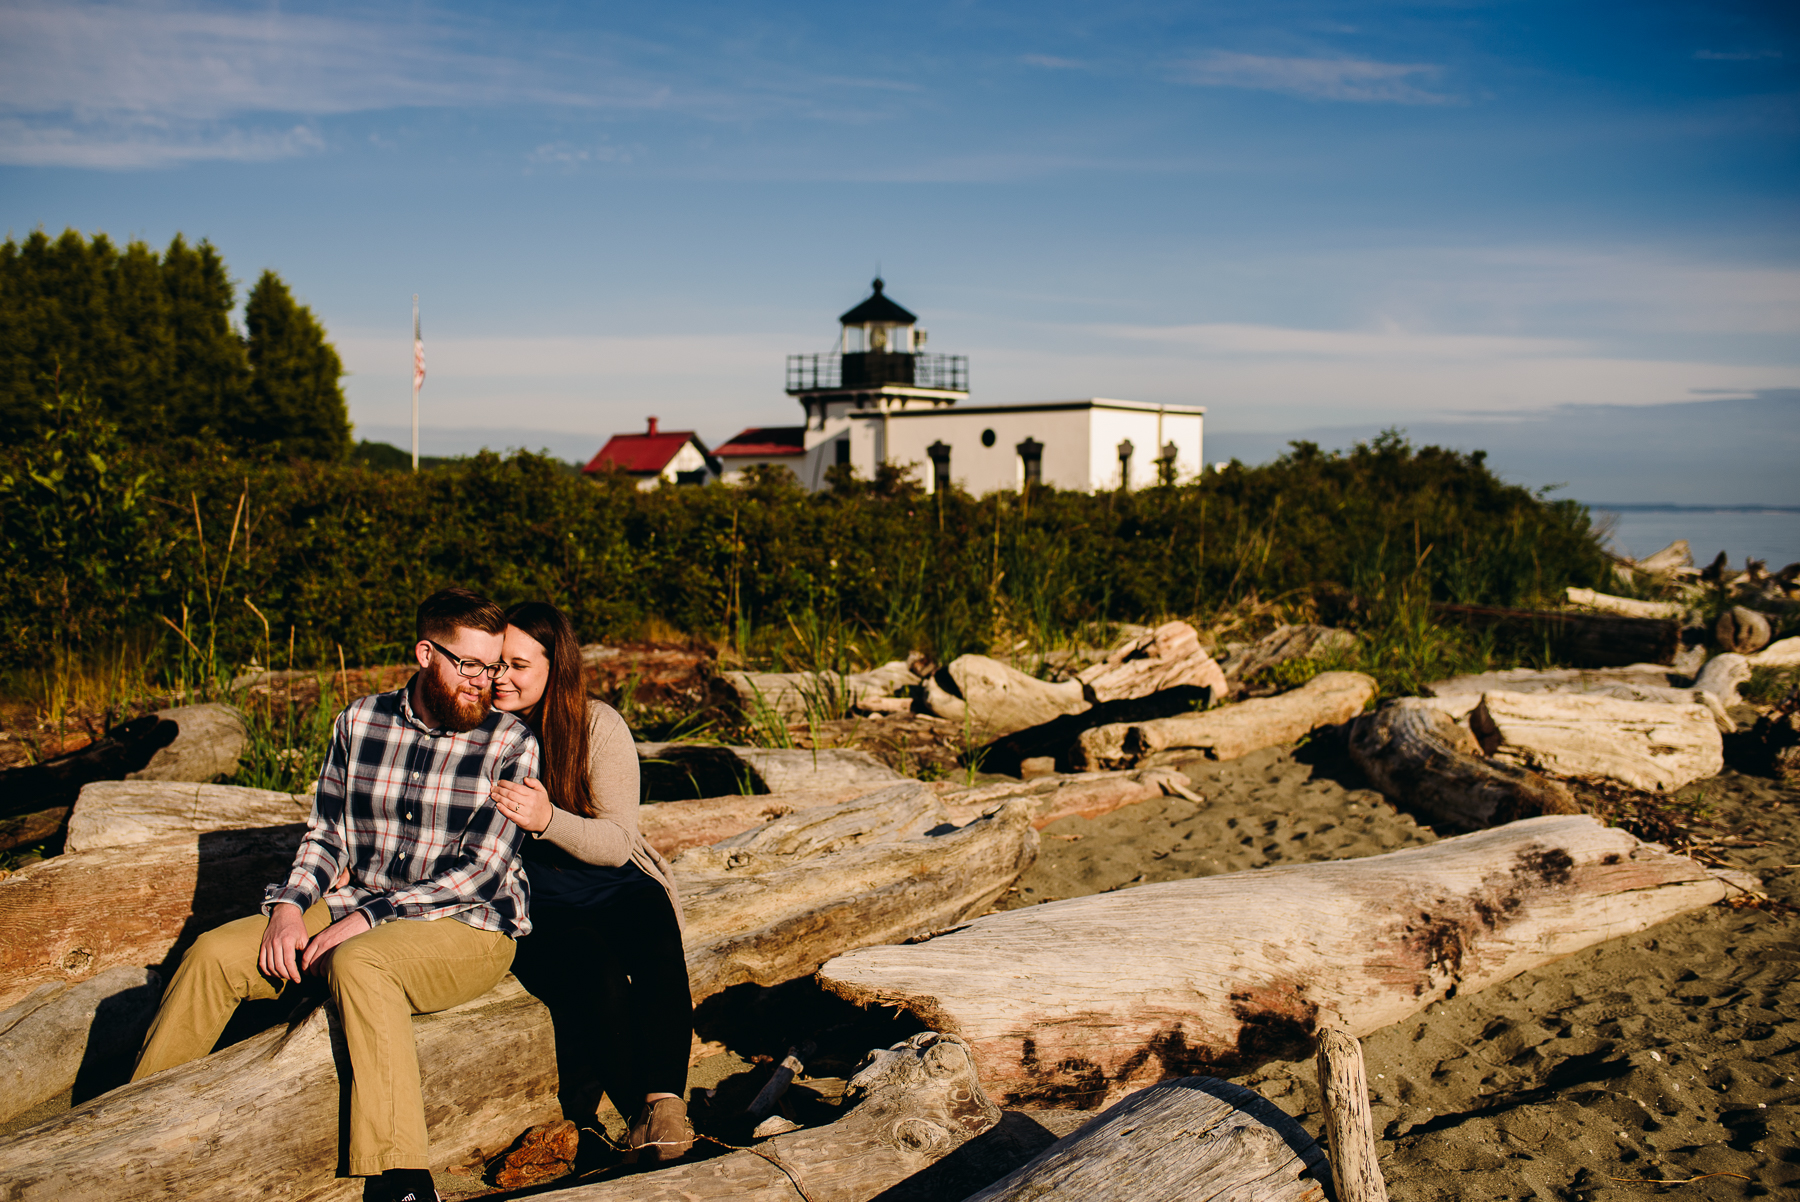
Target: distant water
x,y
1770,534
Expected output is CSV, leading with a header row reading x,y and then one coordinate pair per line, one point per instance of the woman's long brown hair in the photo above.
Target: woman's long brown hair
x,y
559,719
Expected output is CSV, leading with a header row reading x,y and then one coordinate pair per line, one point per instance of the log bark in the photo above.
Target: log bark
x,y
1082,1001
921,1130
1645,745
1225,734
1587,640
1349,1127
1419,758
774,903
262,1118
1180,1140
121,813
71,917
46,1039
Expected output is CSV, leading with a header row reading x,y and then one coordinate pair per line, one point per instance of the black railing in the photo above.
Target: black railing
x,y
872,369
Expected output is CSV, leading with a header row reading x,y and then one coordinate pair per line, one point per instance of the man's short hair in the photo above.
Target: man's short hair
x,y
446,611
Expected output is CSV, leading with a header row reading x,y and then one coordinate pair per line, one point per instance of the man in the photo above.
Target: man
x,y
406,893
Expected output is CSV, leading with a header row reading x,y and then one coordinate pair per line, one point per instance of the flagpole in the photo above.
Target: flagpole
x,y
415,390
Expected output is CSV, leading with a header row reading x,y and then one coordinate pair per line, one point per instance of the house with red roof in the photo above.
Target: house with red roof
x,y
656,457
762,446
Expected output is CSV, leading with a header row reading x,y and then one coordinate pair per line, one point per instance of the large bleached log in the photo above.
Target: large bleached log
x,y
1082,1001
46,1039
1236,730
1169,657
1625,607
1641,744
262,1118
792,696
1742,630
915,1105
1721,675
71,917
686,771
992,699
120,813
208,741
774,903
1280,645
1459,695
1419,758
1180,1140
1782,653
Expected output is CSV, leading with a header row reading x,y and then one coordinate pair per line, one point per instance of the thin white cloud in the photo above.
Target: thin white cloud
x,y
1735,56
1052,62
1361,81
131,85
1390,343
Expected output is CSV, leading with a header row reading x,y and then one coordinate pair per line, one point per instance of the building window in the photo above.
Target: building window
x,y
987,438
940,464
1031,462
697,476
1125,450
843,452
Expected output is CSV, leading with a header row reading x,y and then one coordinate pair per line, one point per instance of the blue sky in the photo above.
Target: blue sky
x,y
1306,216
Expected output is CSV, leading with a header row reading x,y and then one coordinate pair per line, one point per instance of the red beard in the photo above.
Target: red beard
x,y
449,708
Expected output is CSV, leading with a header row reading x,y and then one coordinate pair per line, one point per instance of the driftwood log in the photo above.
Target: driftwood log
x,y
684,771
1180,1140
1169,657
47,1039
1586,639
791,696
921,1130
262,1118
1742,630
1782,653
774,903
121,813
1418,757
1625,607
1082,1001
58,780
1349,1126
35,826
1244,662
1227,733
1645,745
72,917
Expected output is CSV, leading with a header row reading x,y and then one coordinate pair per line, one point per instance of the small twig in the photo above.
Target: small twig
x,y
1679,1180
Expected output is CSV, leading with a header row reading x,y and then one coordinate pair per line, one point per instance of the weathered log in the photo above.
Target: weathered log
x,y
262,1118
22,830
672,827
120,813
774,903
920,1130
1169,657
792,696
1721,676
58,780
1742,630
1349,1127
71,917
1783,653
1639,682
1419,758
1642,744
688,771
1058,740
208,741
1588,640
1180,1140
1236,730
1247,661
992,699
1668,561
1085,1000
46,1039
1625,607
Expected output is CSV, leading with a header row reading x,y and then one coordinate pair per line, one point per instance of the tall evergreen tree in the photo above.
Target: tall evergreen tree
x,y
295,399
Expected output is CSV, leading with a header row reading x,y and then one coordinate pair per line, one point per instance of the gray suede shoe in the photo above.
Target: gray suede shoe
x,y
662,1132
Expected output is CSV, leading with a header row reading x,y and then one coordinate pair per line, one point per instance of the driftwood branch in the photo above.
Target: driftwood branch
x,y
1080,1001
1349,1127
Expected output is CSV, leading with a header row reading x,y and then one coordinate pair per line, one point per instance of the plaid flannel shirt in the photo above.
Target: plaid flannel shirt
x,y
407,809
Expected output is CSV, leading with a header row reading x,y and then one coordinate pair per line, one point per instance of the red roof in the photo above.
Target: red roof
x,y
644,454
765,442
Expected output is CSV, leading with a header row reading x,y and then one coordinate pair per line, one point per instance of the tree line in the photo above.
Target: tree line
x,y
149,338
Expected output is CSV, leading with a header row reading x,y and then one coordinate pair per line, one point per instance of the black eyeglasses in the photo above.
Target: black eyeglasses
x,y
471,668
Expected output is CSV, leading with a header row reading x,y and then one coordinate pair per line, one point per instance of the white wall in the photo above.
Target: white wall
x,y
735,467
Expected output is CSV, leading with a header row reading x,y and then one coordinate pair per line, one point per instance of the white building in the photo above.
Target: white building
x,y
879,399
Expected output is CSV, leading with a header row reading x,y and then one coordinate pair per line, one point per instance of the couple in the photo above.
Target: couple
x,y
486,801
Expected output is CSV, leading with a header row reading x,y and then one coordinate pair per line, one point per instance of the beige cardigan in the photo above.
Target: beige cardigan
x,y
612,838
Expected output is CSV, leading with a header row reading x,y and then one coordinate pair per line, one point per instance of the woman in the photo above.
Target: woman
x,y
605,949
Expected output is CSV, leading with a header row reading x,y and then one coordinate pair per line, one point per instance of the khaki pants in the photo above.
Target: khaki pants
x,y
378,979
